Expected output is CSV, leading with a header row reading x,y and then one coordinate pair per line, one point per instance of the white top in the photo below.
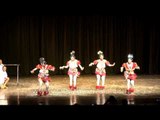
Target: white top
x,y
101,64
1,66
73,64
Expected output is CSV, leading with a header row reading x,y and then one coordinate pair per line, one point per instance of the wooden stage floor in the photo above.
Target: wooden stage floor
x,y
147,91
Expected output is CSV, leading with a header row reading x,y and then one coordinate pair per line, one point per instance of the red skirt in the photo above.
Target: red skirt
x,y
101,74
45,79
130,76
73,73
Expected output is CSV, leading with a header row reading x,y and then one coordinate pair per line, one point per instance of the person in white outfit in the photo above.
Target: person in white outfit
x,y
4,79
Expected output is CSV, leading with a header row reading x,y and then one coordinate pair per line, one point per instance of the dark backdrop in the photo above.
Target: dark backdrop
x,y
26,38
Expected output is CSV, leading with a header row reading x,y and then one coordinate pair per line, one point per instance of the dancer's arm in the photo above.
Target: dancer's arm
x,y
121,69
62,67
109,64
50,67
137,67
93,63
82,68
32,71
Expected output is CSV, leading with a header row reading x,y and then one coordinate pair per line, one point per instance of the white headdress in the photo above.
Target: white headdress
x,y
100,53
72,54
130,56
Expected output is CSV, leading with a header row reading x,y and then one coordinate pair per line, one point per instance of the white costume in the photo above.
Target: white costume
x,y
1,67
3,76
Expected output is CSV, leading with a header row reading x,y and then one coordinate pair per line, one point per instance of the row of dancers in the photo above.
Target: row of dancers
x,y
72,66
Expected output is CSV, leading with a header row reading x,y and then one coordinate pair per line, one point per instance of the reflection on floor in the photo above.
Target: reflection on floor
x,y
3,98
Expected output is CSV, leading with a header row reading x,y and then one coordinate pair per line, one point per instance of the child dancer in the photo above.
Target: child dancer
x,y
73,73
100,70
4,79
43,76
129,74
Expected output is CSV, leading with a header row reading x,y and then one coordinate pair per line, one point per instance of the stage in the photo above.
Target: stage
x,y
147,91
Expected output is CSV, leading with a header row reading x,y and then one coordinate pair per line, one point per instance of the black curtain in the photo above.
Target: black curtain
x,y
26,38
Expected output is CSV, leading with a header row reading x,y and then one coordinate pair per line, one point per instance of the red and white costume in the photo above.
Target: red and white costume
x,y
129,73
100,69
73,67
101,65
44,72
73,72
43,76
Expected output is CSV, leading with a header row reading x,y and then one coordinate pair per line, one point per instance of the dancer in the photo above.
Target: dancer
x,y
129,74
43,76
73,73
100,70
